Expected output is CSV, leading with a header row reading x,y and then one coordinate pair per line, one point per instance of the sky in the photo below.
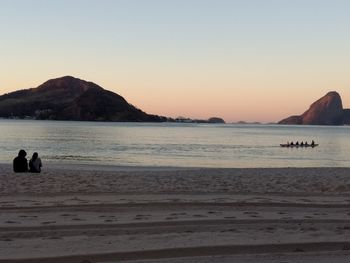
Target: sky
x,y
251,60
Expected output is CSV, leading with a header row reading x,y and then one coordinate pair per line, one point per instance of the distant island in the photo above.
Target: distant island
x,y
69,98
248,123
328,110
189,120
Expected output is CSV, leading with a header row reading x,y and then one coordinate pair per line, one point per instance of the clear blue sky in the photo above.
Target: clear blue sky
x,y
239,60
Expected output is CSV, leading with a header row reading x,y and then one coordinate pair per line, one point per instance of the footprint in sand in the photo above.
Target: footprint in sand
x,y
177,214
65,215
171,218
199,216
141,217
305,200
230,230
77,219
346,247
48,222
214,212
250,213
309,217
7,240
256,216
312,229
11,222
57,204
174,200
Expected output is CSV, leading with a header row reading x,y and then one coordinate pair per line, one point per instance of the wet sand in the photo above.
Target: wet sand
x,y
173,215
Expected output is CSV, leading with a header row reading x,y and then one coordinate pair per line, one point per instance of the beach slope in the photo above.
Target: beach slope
x,y
117,214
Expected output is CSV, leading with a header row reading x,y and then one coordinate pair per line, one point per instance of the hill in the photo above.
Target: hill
x,y
69,98
328,110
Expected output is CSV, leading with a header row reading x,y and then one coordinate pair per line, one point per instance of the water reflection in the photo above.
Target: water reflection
x,y
174,144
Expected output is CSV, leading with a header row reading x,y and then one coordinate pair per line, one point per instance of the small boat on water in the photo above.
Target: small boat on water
x,y
299,145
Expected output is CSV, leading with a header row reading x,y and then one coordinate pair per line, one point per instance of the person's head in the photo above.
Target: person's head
x,y
22,153
35,155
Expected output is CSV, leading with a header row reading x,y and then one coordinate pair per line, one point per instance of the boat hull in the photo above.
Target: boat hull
x,y
297,146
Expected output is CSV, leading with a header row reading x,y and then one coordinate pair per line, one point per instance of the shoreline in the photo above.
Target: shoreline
x,y
175,215
49,166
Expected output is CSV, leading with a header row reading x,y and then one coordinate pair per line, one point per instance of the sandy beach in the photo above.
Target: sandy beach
x,y
173,215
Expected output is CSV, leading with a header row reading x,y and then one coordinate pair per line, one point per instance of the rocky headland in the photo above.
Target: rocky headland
x,y
328,110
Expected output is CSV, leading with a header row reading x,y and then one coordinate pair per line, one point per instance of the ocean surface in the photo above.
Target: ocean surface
x,y
174,144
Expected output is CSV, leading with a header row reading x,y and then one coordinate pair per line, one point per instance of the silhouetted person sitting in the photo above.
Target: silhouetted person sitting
x,y
312,143
20,164
35,164
297,143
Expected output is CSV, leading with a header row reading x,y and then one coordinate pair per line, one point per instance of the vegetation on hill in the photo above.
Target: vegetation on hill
x,y
70,98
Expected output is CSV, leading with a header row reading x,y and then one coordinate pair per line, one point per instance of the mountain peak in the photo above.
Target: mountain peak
x,y
333,93
327,110
69,98
68,83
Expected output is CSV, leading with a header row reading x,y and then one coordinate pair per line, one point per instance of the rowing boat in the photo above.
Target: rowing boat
x,y
298,145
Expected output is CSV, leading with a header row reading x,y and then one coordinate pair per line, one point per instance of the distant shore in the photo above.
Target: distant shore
x,y
167,214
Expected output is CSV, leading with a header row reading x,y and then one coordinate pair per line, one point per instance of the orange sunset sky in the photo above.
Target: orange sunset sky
x,y
240,60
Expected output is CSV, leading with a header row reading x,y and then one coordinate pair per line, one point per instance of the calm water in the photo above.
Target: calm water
x,y
187,145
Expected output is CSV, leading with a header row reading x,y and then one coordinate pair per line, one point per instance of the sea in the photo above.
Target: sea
x,y
174,144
